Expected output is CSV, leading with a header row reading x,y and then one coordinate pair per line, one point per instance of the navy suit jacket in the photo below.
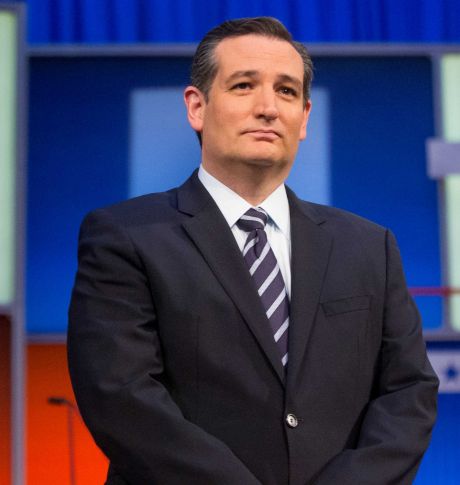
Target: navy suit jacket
x,y
178,377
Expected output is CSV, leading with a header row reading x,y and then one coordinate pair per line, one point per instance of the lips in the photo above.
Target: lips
x,y
263,134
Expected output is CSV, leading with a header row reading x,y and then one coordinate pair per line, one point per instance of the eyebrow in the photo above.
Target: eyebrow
x,y
238,74
254,74
289,79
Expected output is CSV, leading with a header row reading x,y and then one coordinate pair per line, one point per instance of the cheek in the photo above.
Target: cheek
x,y
297,129
236,111
222,119
303,131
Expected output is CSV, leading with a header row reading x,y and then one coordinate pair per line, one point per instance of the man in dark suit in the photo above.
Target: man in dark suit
x,y
225,332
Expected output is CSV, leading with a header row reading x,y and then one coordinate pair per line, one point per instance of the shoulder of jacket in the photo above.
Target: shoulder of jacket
x,y
340,219
139,210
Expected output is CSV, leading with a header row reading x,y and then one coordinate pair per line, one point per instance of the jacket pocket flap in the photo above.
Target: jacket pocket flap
x,y
345,305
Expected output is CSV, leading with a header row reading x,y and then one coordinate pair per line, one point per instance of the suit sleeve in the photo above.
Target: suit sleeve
x,y
397,424
117,371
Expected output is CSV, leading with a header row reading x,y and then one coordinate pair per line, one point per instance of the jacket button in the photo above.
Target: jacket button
x,y
292,420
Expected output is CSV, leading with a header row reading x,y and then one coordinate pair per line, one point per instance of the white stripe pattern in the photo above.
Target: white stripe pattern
x,y
249,245
281,330
276,303
269,279
250,218
259,260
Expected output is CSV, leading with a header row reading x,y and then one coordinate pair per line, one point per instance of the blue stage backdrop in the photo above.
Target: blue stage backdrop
x,y
104,129
100,130
109,21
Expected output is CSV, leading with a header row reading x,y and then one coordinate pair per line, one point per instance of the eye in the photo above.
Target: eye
x,y
243,86
288,91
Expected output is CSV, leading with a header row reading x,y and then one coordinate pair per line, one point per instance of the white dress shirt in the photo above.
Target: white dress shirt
x,y
278,227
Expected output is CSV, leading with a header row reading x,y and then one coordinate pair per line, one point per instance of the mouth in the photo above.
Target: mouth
x,y
263,134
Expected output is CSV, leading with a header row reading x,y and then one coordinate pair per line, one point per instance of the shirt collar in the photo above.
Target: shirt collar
x,y
233,206
276,205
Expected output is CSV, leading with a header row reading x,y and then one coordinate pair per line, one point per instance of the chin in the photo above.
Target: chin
x,y
266,162
262,156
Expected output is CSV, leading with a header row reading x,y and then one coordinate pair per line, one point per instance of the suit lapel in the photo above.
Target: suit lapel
x,y
209,231
311,246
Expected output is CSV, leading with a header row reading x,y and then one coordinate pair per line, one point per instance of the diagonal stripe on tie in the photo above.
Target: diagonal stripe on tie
x,y
249,245
267,277
280,298
260,220
260,259
269,280
281,330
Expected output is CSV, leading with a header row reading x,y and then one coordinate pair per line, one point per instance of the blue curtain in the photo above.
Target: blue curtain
x,y
131,21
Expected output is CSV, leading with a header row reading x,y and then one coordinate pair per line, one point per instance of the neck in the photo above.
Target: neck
x,y
254,183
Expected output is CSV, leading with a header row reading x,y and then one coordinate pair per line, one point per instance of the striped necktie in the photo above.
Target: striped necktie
x,y
267,276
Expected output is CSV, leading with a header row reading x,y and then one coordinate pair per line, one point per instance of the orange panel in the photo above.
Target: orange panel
x,y
5,401
47,425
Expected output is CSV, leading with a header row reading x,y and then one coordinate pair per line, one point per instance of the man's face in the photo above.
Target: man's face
x,y
255,113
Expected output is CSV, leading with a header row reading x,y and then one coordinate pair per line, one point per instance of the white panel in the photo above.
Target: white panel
x,y
446,364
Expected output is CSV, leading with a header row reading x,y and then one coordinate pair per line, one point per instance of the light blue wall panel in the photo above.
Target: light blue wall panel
x,y
164,150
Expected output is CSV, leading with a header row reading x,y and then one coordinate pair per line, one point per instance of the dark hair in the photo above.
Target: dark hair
x,y
204,65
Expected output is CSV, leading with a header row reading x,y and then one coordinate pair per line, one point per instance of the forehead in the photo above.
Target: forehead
x,y
260,53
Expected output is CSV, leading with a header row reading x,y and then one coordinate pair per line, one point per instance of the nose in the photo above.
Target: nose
x,y
266,104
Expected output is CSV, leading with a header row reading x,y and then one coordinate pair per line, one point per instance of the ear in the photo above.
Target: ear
x,y
195,104
303,127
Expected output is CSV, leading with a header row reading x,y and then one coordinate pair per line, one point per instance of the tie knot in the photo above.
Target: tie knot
x,y
253,219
